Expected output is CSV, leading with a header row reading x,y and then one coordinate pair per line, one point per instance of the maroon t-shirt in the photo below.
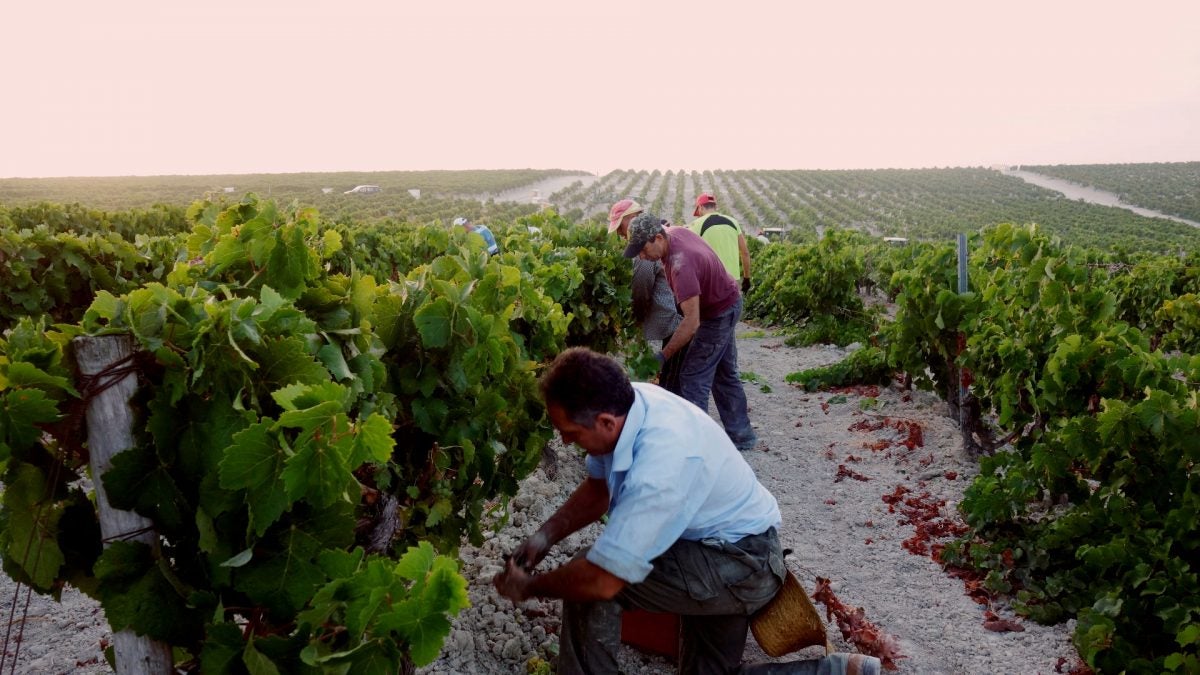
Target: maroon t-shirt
x,y
693,268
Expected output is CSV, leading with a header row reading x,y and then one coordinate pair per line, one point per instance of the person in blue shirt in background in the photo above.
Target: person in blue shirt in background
x,y
482,230
690,529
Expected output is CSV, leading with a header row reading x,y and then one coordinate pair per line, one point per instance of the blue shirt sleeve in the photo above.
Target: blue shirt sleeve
x,y
493,247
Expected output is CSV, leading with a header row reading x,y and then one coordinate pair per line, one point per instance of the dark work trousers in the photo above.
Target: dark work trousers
x,y
714,586
711,366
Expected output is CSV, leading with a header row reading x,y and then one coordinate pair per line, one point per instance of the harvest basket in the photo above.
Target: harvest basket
x,y
789,622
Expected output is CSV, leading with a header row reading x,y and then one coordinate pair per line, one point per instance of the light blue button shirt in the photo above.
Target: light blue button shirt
x,y
488,238
673,475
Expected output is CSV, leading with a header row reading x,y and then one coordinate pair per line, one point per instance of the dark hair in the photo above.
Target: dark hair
x,y
585,384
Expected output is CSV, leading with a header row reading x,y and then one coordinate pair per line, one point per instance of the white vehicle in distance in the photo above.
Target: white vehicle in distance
x,y
362,190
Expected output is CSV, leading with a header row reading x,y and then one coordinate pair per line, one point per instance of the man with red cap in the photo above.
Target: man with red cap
x,y
725,237
653,303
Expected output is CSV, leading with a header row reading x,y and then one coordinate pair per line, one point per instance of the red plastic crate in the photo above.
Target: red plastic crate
x,y
654,632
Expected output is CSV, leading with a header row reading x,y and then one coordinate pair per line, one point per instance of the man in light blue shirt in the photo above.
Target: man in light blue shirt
x,y
690,529
482,230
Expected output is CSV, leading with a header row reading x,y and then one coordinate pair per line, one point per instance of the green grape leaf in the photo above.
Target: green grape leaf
x,y
416,562
1116,423
228,252
1175,661
373,587
21,410
331,242
446,588
302,396
286,396
258,233
308,419
253,460
438,512
331,356
1156,411
430,415
255,463
269,302
433,320
136,595
373,442
363,292
223,648
390,319
340,564
138,481
376,657
423,628
257,662
209,540
373,657
32,526
22,374
1189,635
284,652
284,578
286,361
289,264
369,370
199,440
318,470
318,467
105,308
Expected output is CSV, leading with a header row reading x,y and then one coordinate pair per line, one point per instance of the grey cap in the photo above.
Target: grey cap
x,y
643,229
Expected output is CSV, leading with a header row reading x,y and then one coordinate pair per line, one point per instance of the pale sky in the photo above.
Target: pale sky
x,y
146,87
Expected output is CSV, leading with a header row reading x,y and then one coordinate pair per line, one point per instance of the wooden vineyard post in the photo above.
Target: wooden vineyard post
x,y
962,288
968,413
110,432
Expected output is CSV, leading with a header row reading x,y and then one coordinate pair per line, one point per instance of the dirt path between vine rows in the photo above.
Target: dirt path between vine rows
x,y
541,189
840,528
1090,194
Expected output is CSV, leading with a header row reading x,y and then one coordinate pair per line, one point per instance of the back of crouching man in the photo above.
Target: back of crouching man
x,y
690,529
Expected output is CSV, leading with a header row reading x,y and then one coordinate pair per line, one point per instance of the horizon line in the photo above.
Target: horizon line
x,y
600,172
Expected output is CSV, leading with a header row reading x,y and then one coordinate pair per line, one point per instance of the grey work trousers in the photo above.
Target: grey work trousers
x,y
714,586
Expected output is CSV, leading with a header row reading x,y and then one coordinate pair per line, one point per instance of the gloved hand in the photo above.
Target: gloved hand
x,y
661,358
530,552
745,285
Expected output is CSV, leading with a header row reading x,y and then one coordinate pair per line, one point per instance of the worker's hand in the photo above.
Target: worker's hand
x,y
745,285
513,582
531,551
661,358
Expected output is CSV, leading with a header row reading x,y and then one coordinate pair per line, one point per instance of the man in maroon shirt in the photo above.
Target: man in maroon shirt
x,y
711,305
